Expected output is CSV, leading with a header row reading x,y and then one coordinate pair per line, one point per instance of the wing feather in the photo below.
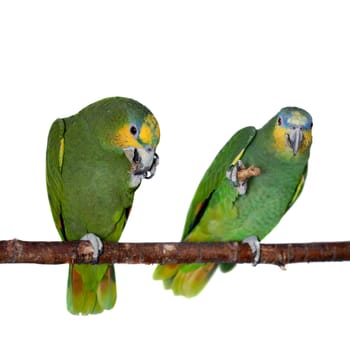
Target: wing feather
x,y
215,174
54,163
299,188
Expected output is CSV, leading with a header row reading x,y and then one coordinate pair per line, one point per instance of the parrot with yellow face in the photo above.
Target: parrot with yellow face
x,y
95,162
227,208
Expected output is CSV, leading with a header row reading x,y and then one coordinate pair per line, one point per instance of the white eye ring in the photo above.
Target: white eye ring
x,y
133,130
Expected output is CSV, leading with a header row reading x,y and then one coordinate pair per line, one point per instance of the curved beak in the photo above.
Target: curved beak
x,y
143,161
295,138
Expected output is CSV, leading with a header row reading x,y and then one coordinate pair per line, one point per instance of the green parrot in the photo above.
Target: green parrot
x,y
226,208
95,161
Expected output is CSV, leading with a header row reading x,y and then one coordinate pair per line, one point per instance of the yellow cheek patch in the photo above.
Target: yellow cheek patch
x,y
124,139
150,133
306,140
279,135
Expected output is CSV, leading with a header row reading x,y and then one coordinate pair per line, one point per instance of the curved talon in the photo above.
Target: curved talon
x,y
254,245
96,243
232,174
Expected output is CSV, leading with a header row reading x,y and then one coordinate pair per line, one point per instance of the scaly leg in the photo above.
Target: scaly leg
x,y
95,242
254,245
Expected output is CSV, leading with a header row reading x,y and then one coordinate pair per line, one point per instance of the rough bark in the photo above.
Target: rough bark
x,y
17,251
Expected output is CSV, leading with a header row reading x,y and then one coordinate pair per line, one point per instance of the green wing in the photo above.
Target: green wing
x,y
216,172
54,161
299,188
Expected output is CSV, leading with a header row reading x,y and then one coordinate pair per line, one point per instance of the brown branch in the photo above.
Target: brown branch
x,y
16,251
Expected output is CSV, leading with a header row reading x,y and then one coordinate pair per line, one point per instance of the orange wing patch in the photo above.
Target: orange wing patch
x,y
198,208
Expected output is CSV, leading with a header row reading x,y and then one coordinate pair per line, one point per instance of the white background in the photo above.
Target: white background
x,y
205,69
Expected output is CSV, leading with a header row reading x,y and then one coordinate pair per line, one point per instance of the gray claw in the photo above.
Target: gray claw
x,y
231,174
96,243
254,245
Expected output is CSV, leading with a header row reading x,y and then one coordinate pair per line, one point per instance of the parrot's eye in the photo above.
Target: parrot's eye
x,y
133,130
279,121
311,125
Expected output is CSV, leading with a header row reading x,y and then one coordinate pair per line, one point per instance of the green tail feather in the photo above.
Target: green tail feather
x,y
91,289
187,280
226,267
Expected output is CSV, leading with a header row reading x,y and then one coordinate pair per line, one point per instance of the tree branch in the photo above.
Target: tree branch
x,y
16,251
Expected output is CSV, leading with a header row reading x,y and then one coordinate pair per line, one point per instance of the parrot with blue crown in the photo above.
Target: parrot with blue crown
x,y
95,161
227,207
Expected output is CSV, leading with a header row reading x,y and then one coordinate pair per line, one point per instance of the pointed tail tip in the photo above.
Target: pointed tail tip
x,y
185,280
87,299
165,272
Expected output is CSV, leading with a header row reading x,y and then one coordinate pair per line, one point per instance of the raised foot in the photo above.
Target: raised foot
x,y
239,175
96,243
254,245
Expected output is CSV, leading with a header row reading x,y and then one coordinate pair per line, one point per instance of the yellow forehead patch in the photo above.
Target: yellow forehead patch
x,y
297,119
150,133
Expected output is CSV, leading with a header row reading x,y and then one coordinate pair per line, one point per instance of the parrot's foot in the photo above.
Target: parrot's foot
x,y
232,174
96,243
254,245
239,175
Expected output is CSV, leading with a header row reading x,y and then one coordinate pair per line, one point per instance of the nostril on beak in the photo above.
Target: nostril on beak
x,y
149,149
136,157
